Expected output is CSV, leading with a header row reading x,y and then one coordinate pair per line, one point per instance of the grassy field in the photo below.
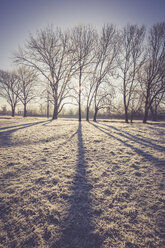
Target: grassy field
x,y
65,184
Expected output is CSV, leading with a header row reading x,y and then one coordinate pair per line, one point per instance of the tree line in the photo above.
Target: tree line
x,y
82,66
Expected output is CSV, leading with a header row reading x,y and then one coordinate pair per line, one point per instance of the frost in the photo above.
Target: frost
x,y
66,184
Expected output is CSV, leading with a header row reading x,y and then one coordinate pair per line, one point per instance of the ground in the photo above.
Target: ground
x,y
67,184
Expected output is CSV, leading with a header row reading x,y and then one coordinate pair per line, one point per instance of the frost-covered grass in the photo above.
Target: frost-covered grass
x,y
65,184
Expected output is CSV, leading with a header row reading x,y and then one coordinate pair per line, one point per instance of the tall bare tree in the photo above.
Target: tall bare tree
x,y
130,60
49,53
104,65
82,45
27,81
152,74
9,89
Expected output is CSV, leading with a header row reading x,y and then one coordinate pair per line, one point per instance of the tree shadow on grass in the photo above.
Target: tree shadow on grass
x,y
5,135
148,157
20,126
78,229
142,141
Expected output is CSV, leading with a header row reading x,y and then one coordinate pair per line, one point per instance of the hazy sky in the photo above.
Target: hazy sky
x,y
20,17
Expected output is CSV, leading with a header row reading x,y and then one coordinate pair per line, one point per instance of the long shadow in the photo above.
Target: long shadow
x,y
77,229
140,152
157,124
24,125
5,139
136,139
5,135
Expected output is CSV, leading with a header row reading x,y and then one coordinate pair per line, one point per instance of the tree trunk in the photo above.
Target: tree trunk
x,y
55,112
95,114
79,95
12,111
47,104
79,109
132,116
25,111
126,115
145,118
87,114
48,109
126,110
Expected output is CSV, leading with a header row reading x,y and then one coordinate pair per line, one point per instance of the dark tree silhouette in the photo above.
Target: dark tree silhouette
x,y
83,44
9,89
104,67
49,54
130,60
27,81
152,74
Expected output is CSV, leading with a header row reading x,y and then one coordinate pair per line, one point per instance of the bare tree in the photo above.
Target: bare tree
x,y
9,89
27,80
152,75
130,60
104,66
49,53
82,44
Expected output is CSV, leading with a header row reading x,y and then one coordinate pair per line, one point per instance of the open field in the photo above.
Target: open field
x,y
70,185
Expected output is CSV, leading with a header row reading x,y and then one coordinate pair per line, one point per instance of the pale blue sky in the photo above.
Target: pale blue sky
x,y
20,17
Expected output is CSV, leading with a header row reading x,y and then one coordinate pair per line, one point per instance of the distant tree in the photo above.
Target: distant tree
x,y
82,44
130,60
3,110
136,103
152,74
158,100
45,96
105,94
50,54
9,89
27,80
